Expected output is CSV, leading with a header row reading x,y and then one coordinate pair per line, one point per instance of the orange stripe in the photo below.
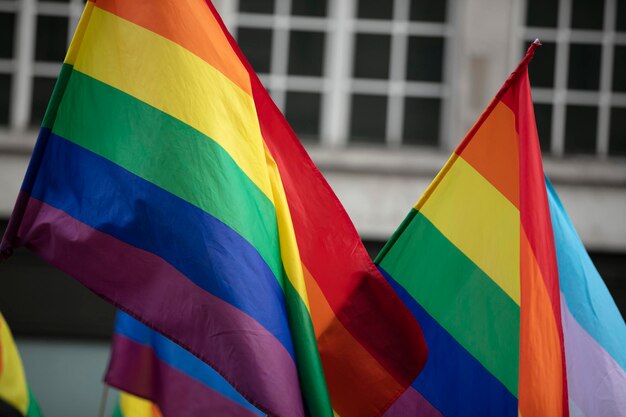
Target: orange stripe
x,y
540,362
493,151
190,24
353,380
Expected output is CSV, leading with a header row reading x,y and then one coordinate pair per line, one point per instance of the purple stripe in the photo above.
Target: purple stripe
x,y
596,383
151,290
412,403
136,369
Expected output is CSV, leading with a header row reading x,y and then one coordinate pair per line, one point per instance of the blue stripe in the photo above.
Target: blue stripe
x,y
110,199
178,358
587,297
453,381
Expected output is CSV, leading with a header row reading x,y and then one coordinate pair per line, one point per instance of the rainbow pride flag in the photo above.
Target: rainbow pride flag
x,y
16,398
475,261
167,181
132,406
146,364
594,330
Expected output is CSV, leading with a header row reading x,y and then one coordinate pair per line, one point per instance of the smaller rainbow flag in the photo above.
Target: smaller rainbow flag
x,y
132,406
148,365
16,398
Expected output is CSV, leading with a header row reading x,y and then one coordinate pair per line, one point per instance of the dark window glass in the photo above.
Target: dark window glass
x,y
541,68
303,113
368,120
619,69
309,8
584,66
371,56
543,116
617,138
588,14
425,59
421,121
542,13
621,16
42,90
256,6
580,129
51,38
428,10
7,29
375,9
5,98
256,45
306,53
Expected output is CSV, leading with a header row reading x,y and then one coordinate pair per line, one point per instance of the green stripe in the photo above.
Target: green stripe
x,y
171,155
457,294
33,407
190,165
118,412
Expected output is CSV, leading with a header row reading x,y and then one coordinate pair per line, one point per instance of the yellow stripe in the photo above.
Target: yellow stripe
x,y
133,406
166,76
13,388
170,78
478,220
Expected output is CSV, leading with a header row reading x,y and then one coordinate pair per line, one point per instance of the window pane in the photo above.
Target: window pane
x,y
541,68
542,13
580,129
421,121
621,16
7,29
42,90
587,14
51,38
619,69
425,59
428,10
306,53
368,119
375,9
256,6
371,56
617,139
543,115
309,8
256,45
584,67
303,113
5,98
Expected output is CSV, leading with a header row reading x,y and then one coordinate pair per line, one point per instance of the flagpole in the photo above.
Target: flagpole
x,y
103,400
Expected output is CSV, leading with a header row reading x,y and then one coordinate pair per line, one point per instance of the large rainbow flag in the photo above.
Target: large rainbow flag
x,y
594,330
16,398
167,181
475,261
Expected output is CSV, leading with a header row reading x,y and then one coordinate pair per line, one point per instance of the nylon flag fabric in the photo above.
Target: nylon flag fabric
x,y
475,261
16,398
167,181
594,330
148,365
132,406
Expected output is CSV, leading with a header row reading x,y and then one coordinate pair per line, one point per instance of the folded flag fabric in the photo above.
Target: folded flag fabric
x,y
167,181
475,261
16,398
148,365
594,330
132,406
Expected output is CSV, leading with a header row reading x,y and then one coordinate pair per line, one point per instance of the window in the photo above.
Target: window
x,y
579,76
351,71
34,36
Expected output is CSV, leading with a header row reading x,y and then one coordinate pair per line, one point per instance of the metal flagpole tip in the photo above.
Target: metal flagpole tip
x,y
537,42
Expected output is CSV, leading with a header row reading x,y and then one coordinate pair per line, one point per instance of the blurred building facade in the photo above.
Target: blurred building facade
x,y
380,93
